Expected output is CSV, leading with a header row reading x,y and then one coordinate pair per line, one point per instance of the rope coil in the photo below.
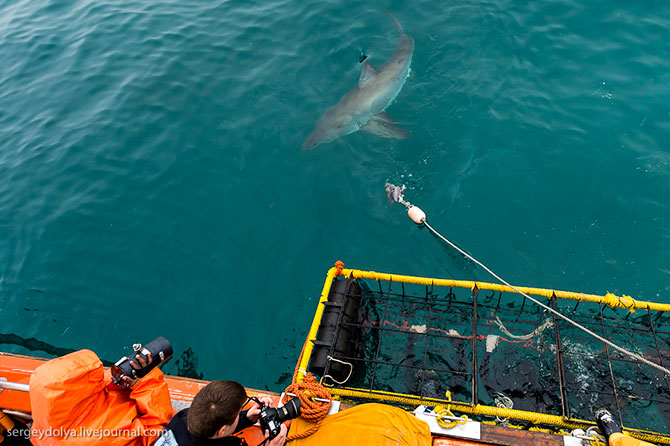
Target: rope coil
x,y
310,392
504,402
445,411
594,433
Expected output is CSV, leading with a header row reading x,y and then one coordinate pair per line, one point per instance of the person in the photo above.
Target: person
x,y
75,402
214,416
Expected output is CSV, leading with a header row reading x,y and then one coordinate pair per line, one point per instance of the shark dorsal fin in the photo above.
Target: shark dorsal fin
x,y
368,72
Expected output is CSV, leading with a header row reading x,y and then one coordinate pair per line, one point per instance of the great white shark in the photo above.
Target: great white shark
x,y
363,107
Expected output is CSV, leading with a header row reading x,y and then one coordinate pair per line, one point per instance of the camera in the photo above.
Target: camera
x,y
160,350
271,419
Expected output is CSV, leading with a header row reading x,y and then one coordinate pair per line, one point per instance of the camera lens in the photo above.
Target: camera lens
x,y
160,350
289,411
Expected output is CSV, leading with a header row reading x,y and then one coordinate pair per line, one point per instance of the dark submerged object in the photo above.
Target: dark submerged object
x,y
394,194
342,307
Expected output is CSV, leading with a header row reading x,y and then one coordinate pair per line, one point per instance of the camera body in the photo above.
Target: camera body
x,y
160,350
271,418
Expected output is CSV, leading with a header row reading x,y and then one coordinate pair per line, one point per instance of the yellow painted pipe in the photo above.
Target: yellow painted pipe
x,y
609,299
311,336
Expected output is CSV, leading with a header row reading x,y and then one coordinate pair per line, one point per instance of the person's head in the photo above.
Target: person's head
x,y
216,409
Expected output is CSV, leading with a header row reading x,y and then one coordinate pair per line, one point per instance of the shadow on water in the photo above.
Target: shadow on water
x,y
186,365
34,345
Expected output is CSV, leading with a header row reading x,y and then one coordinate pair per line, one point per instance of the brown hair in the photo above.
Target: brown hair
x,y
215,405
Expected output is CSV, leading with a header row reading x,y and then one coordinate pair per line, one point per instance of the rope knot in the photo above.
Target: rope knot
x,y
612,300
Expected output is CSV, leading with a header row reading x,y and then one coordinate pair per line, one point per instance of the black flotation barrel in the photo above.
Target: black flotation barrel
x,y
334,337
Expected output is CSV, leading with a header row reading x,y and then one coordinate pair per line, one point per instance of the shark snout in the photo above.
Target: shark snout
x,y
308,144
312,140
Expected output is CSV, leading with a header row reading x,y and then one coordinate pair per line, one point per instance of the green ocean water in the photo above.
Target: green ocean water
x,y
152,180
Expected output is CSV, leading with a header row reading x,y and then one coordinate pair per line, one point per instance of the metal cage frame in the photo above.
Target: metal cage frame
x,y
437,301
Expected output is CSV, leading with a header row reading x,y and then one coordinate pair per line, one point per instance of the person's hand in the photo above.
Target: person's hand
x,y
130,382
255,410
280,439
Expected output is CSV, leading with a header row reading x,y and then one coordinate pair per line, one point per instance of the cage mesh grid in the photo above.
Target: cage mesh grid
x,y
424,340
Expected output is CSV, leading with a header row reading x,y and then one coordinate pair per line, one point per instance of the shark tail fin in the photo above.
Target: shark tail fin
x,y
395,22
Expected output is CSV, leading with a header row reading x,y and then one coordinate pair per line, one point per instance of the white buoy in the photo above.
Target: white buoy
x,y
416,214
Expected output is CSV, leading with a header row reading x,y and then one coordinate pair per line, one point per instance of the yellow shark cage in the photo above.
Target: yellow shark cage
x,y
411,341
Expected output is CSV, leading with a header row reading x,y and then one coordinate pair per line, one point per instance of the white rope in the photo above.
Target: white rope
x,y
504,402
565,318
548,323
341,383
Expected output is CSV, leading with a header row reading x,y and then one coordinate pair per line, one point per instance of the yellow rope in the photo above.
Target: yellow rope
x,y
445,411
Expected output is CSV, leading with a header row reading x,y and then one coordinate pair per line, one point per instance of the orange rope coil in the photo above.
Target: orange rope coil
x,y
311,410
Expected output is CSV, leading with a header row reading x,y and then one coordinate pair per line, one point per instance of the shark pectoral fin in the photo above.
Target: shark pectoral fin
x,y
368,72
384,117
383,126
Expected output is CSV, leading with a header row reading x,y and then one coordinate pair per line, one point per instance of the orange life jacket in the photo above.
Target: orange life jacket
x,y
74,402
